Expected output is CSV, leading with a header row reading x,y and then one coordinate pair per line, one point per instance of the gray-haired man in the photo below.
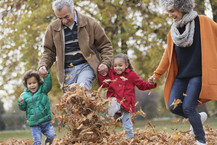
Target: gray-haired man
x,y
78,44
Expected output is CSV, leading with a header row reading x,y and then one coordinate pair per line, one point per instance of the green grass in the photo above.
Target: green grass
x,y
166,125
24,134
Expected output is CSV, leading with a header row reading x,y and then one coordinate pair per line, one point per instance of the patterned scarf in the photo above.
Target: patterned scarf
x,y
186,38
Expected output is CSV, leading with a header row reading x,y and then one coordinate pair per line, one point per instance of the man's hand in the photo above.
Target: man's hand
x,y
103,69
152,80
43,71
21,99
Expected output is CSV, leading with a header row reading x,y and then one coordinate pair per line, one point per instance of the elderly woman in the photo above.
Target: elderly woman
x,y
190,58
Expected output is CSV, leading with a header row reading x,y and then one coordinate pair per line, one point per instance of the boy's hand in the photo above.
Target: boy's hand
x,y
152,80
21,99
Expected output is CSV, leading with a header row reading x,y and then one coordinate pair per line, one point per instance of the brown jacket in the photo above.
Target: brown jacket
x,y
93,42
208,34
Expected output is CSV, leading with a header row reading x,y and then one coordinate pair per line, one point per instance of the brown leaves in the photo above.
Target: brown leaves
x,y
83,113
123,78
176,102
81,110
147,136
143,114
68,77
184,94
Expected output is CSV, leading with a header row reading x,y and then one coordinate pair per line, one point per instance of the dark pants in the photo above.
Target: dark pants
x,y
191,87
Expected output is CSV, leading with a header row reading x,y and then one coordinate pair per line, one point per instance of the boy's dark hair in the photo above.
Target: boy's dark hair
x,y
29,74
126,59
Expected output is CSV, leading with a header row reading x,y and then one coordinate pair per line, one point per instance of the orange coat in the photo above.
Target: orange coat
x,y
208,34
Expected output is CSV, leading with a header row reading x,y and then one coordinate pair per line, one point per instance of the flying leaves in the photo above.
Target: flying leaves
x,y
175,103
84,114
123,78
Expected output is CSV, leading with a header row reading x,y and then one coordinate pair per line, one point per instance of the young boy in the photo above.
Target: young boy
x,y
34,100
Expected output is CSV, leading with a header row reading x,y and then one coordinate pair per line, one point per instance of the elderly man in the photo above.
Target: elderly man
x,y
78,44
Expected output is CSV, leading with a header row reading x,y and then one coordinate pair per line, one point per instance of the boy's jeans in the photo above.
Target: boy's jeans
x,y
47,129
191,87
81,73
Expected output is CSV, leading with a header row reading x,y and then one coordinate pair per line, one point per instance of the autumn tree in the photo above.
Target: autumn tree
x,y
136,27
131,25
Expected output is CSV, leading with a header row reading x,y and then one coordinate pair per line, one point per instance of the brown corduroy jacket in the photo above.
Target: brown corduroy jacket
x,y
208,34
94,44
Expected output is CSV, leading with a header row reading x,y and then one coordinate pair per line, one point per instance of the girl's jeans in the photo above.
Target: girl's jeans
x,y
47,129
81,73
127,124
191,87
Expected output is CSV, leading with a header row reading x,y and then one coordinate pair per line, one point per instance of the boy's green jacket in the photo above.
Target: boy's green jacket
x,y
37,105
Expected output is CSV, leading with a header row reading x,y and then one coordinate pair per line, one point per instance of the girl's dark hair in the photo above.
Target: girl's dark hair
x,y
126,59
30,74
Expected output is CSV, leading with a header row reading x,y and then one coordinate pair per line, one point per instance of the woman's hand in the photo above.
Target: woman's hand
x,y
152,80
21,99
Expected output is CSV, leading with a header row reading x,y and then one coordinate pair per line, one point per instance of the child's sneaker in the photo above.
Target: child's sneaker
x,y
199,143
113,107
203,117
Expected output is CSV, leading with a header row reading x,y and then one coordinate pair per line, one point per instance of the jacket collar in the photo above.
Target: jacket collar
x,y
81,22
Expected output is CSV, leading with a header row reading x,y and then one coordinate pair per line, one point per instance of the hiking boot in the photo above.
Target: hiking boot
x,y
203,117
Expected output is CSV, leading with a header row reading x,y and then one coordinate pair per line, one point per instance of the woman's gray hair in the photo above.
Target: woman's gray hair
x,y
57,5
184,6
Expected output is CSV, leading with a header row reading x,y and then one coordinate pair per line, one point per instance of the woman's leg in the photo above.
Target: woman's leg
x,y
179,87
189,107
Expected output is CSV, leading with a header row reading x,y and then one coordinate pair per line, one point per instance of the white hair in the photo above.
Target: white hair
x,y
57,5
184,6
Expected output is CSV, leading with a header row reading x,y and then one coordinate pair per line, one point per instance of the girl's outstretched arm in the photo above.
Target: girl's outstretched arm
x,y
141,84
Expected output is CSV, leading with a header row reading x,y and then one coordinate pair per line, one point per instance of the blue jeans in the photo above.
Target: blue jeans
x,y
191,87
127,124
47,129
81,73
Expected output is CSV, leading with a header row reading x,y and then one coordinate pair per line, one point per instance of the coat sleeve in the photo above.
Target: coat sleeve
x,y
49,54
164,63
141,84
47,83
23,105
104,45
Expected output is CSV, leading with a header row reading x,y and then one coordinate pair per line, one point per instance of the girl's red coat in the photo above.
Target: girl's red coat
x,y
123,86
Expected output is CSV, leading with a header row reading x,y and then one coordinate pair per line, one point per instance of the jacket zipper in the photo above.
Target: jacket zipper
x,y
33,102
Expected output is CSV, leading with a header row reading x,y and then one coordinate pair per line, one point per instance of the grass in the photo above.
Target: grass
x,y
166,125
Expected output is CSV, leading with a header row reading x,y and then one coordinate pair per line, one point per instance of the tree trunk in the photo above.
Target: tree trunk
x,y
200,7
214,9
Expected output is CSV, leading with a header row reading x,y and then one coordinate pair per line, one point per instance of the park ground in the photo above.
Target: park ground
x,y
160,125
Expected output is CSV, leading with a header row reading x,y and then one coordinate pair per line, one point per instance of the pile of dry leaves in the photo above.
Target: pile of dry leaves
x,y
83,114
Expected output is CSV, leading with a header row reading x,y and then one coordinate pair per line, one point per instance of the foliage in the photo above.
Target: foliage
x,y
131,25
136,27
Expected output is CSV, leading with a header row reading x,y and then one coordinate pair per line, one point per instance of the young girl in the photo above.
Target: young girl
x,y
35,102
122,88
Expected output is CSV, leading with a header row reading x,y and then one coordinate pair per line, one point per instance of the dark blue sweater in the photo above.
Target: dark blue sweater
x,y
189,58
